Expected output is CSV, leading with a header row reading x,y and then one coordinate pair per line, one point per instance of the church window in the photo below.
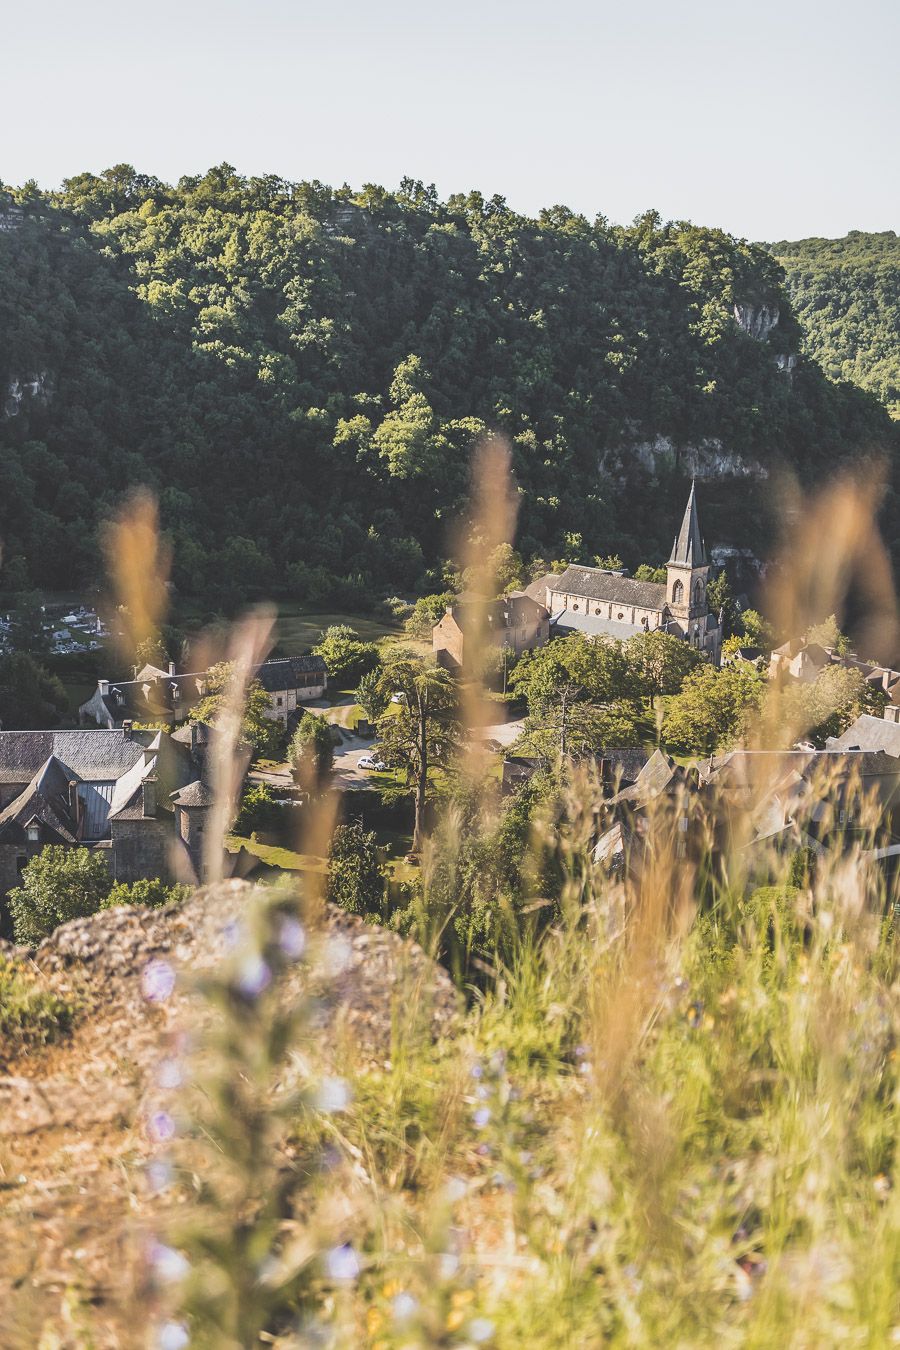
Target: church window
x,y
644,621
575,606
677,593
620,615
598,610
698,592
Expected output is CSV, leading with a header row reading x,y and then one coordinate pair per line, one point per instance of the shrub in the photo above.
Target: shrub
x,y
57,884
31,1015
151,892
356,874
257,810
311,752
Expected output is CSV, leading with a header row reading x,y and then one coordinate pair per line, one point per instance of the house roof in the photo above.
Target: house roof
x,y
869,733
688,550
45,799
596,624
195,794
92,754
595,584
285,672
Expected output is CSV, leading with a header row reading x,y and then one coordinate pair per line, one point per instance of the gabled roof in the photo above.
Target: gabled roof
x,y
46,800
93,755
286,672
869,733
596,584
688,550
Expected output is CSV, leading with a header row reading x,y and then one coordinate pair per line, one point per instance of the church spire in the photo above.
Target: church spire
x,y
688,549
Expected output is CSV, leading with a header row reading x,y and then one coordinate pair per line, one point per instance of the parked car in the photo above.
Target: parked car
x,y
372,762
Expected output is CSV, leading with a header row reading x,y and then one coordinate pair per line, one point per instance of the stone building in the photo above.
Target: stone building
x,y
598,602
517,622
156,695
119,792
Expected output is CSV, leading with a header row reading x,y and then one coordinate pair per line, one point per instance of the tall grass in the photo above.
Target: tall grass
x,y
667,1118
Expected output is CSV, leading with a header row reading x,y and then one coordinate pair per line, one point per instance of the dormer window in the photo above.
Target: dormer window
x,y
33,832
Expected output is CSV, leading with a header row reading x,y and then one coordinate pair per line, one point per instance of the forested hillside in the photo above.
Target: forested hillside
x,y
846,294
300,374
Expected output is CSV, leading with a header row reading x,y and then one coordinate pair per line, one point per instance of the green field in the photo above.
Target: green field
x,y
299,630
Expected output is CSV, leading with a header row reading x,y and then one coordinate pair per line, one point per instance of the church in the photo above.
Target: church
x,y
598,602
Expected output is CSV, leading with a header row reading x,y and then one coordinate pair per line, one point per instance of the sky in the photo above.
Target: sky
x,y
770,120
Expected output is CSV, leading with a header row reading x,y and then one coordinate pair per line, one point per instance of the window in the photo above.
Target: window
x,y
677,593
698,592
279,702
574,606
620,615
33,832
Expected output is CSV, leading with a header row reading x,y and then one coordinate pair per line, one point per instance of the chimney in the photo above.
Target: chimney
x,y
171,667
103,686
148,795
127,728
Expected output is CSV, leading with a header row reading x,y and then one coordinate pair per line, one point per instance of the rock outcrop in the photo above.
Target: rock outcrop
x,y
75,1208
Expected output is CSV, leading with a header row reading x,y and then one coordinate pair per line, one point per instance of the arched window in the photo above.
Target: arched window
x,y
677,593
698,592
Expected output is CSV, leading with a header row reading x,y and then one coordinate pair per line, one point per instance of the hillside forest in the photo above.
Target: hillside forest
x,y
299,373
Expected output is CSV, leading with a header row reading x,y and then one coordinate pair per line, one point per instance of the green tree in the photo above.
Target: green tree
x,y
720,600
371,695
346,656
357,877
647,573
262,733
151,892
421,733
581,696
30,697
311,752
756,632
713,708
828,634
27,624
57,884
660,662
258,810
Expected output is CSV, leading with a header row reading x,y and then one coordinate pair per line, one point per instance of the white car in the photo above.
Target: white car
x,y
372,762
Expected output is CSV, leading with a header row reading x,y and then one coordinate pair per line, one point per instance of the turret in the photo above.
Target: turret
x,y
687,570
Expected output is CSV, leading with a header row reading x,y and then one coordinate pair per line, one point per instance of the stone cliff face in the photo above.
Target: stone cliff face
x,y
35,386
757,321
709,458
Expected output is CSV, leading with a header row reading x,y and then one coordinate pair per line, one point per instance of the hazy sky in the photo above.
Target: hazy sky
x,y
773,120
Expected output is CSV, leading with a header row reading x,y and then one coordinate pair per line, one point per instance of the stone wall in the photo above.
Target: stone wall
x,y
140,848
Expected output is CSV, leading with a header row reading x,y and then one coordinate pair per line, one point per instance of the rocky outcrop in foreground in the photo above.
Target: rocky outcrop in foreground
x,y
74,1206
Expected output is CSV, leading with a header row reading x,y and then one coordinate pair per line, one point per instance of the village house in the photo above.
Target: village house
x,y
599,602
139,798
516,623
156,695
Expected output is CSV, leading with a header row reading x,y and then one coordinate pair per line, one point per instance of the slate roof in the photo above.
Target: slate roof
x,y
596,625
195,794
869,733
93,754
290,672
595,584
688,548
46,798
508,612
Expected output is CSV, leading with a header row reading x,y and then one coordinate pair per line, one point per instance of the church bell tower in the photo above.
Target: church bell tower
x,y
687,570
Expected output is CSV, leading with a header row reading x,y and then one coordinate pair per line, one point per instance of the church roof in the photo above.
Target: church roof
x,y
595,584
688,548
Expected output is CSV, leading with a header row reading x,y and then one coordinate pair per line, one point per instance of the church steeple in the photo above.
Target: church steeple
x,y
688,549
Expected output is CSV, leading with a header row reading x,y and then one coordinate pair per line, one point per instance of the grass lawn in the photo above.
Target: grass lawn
x,y
286,858
298,630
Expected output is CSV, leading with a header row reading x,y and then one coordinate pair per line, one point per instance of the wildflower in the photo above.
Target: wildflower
x,y
480,1330
292,938
169,1266
481,1117
173,1336
342,1263
448,1265
254,976
333,1095
159,1175
161,1127
157,981
404,1306
477,1070
169,1075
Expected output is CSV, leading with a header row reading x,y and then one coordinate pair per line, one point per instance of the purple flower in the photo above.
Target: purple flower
x,y
342,1263
173,1336
292,939
481,1117
159,1175
169,1074
169,1266
161,1127
404,1305
253,976
157,981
